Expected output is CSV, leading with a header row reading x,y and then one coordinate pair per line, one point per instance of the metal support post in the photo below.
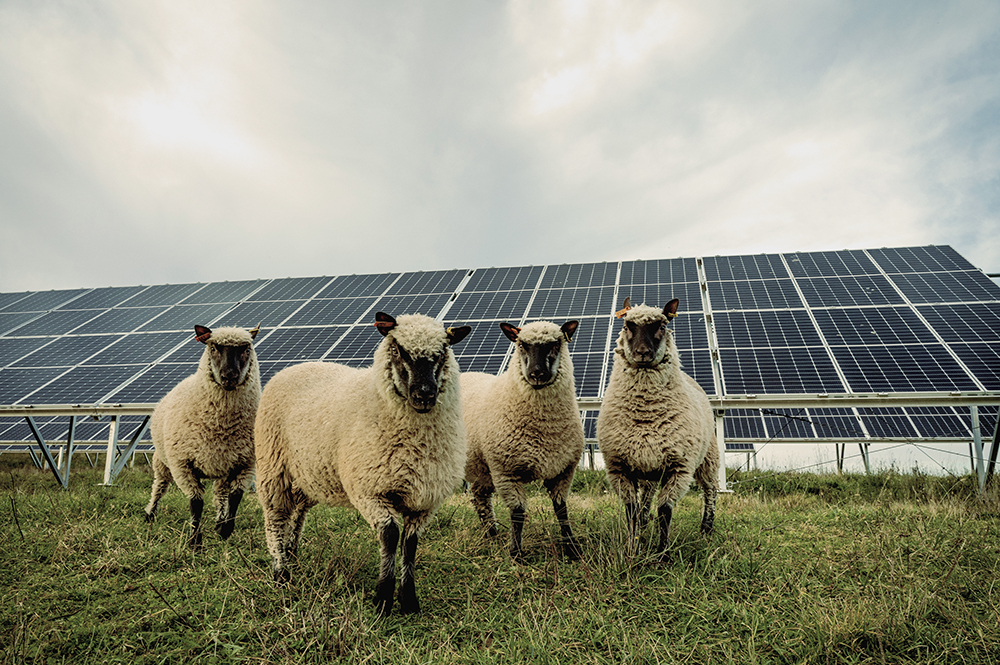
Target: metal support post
x,y
993,450
109,462
720,440
978,465
864,457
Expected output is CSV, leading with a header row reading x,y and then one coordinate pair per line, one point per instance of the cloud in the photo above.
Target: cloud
x,y
167,142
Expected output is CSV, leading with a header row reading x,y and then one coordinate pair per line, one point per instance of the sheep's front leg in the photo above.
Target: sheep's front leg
x,y
388,537
673,489
189,483
228,495
408,603
197,504
558,488
514,496
625,487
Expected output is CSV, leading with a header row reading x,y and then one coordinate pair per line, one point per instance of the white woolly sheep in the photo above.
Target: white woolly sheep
x,y
203,428
656,425
524,425
388,440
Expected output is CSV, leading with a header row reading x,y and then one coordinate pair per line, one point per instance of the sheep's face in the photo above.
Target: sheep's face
x,y
419,350
539,347
230,351
645,338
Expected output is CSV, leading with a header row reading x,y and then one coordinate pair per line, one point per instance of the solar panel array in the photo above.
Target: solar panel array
x,y
853,321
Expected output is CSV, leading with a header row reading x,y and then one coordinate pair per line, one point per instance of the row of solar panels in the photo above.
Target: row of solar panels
x,y
894,320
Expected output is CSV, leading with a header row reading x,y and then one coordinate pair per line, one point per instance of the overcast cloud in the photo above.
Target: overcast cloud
x,y
179,141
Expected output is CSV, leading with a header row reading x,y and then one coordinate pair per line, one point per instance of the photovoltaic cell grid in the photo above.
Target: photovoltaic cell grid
x,y
894,320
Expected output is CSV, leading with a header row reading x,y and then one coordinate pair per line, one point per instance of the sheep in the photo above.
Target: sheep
x,y
524,425
388,440
656,425
203,428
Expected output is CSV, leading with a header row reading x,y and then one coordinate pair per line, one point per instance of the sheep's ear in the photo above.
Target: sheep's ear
x,y
626,306
384,323
253,331
201,333
509,331
670,309
569,328
456,335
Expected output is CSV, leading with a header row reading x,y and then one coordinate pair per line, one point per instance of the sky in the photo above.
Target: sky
x,y
169,142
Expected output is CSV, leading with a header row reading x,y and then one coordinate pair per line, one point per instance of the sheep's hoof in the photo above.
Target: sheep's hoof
x,y
572,550
194,542
664,558
409,606
383,607
281,576
225,528
149,517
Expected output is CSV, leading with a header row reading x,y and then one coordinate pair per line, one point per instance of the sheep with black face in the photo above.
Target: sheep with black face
x,y
524,425
388,440
656,429
203,429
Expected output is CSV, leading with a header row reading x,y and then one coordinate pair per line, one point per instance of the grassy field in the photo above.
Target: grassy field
x,y
802,568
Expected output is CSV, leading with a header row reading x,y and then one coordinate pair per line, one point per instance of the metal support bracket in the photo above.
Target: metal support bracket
x,y
116,459
62,475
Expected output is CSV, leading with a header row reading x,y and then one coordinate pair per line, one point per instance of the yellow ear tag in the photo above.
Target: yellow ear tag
x,y
620,313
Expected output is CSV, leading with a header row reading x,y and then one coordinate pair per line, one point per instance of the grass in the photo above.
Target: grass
x,y
885,568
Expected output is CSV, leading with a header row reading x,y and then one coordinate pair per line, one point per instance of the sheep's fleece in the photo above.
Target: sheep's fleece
x,y
656,426
203,428
524,425
353,437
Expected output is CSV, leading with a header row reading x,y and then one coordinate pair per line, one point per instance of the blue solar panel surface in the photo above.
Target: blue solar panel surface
x,y
881,320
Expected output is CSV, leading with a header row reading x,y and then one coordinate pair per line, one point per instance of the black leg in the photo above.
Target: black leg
x,y
197,505
225,527
516,530
571,548
408,603
665,515
389,540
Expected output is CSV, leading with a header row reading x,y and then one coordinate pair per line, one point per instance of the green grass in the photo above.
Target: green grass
x,y
885,568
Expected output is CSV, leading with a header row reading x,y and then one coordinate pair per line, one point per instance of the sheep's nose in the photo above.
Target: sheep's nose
x,y
423,397
538,375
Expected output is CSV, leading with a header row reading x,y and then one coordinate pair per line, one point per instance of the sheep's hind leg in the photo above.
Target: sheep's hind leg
x,y
514,496
482,501
558,488
161,481
707,479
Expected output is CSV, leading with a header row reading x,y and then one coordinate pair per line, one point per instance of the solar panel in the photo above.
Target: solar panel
x,y
849,291
901,368
831,264
566,303
58,322
291,288
488,305
125,319
503,279
755,294
947,287
885,320
873,325
42,301
658,295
